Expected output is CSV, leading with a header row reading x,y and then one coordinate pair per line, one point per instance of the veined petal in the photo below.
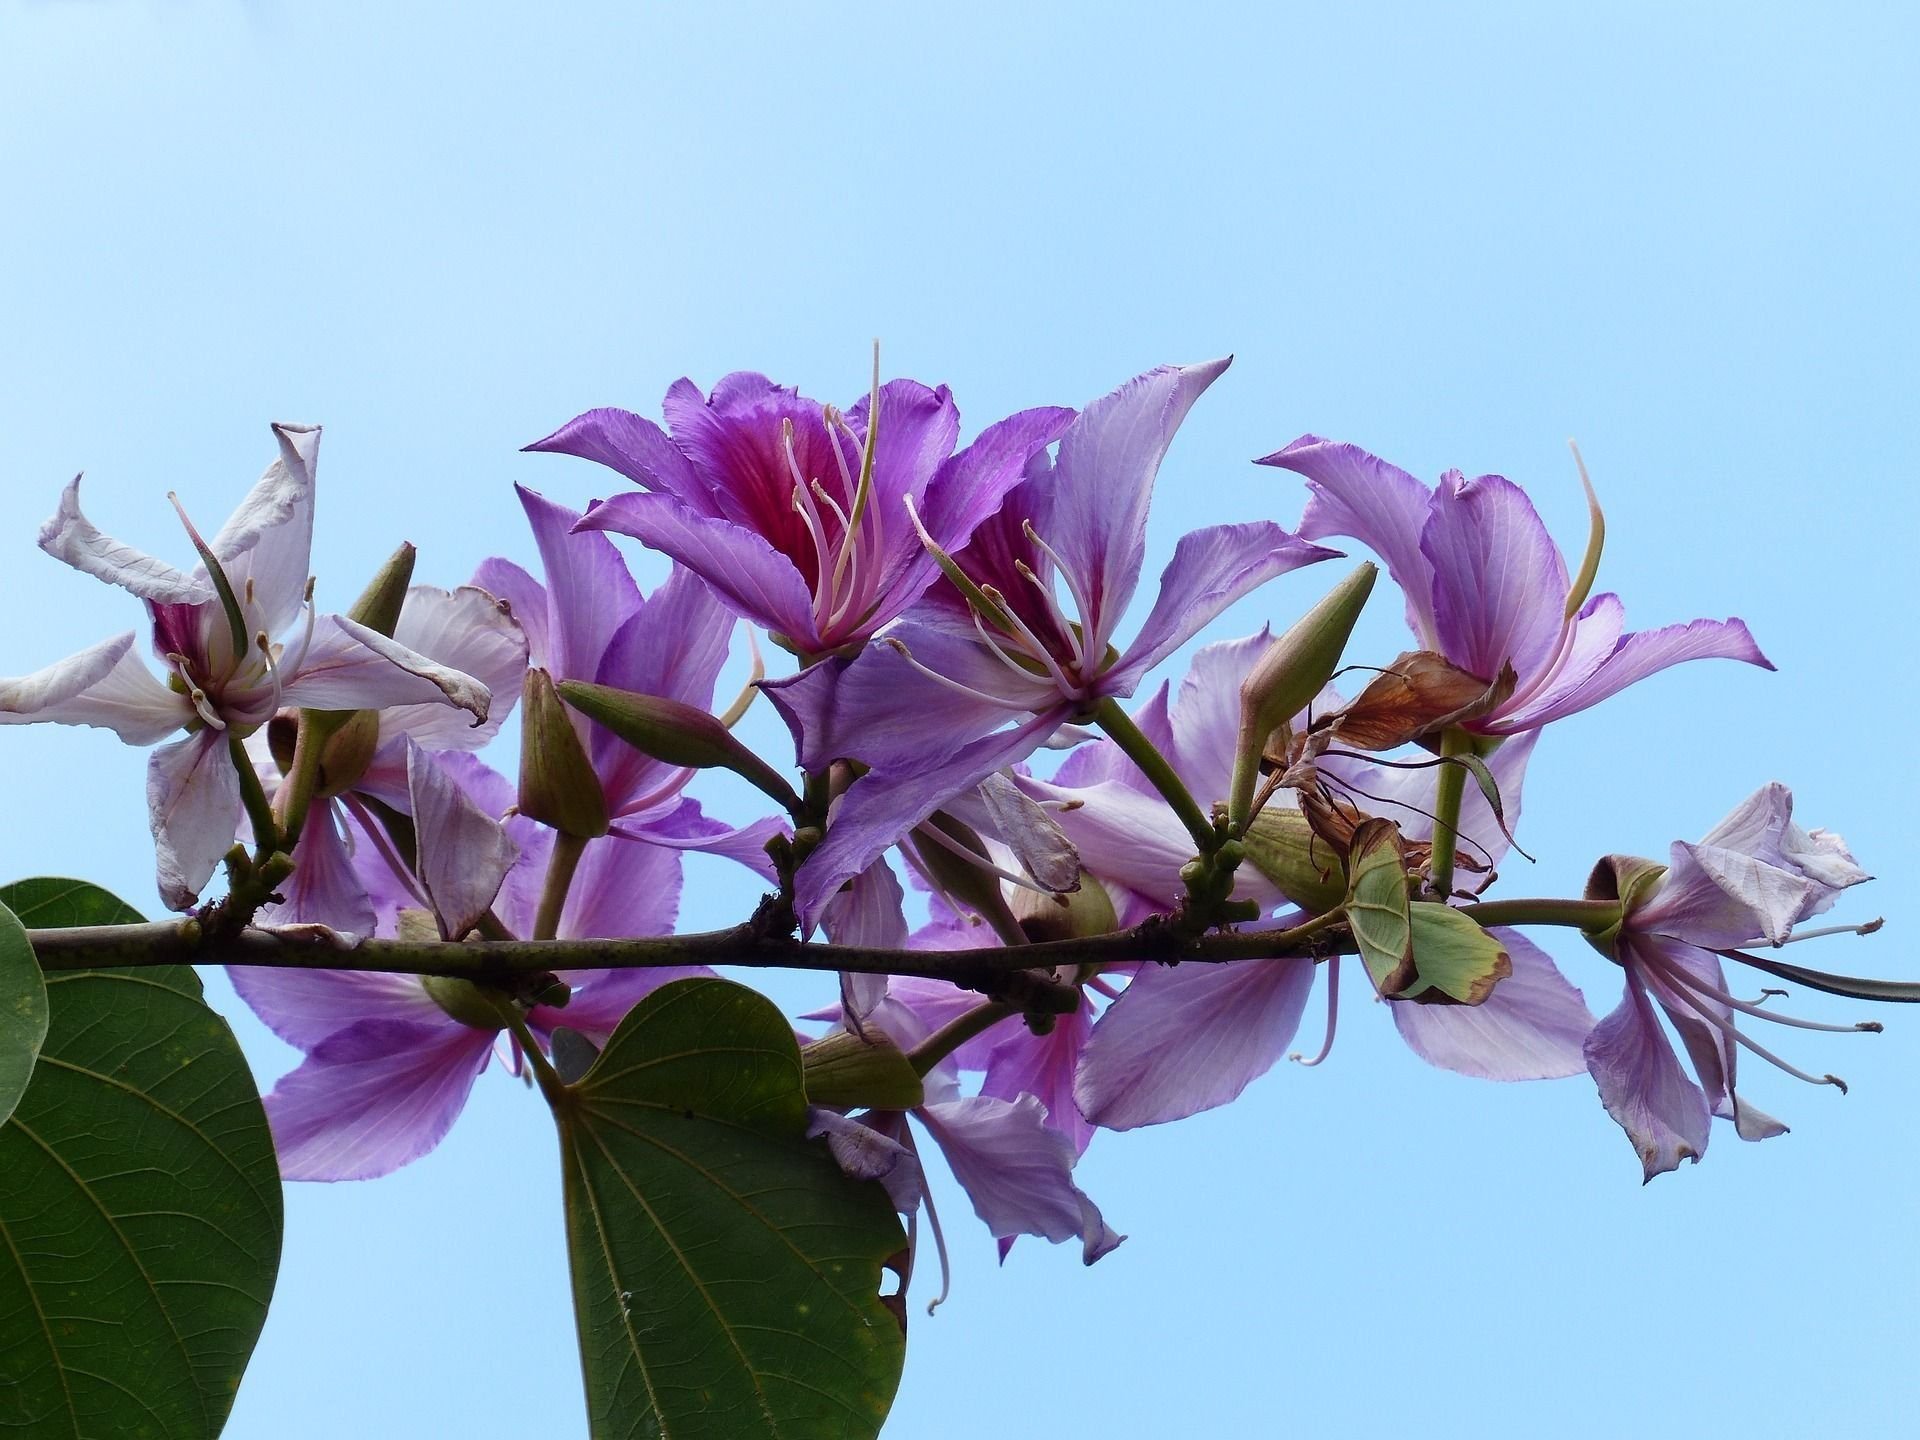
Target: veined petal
x,y
1134,838
1499,582
1103,485
622,888
1044,1066
1017,1170
757,580
687,827
1643,1087
590,593
70,537
632,445
1645,653
524,597
349,667
265,546
464,854
1763,826
869,912
374,1097
1717,898
1187,1039
324,888
193,804
105,685
466,630
306,1008
1210,570
1360,496
1533,1027
735,439
602,998
1205,719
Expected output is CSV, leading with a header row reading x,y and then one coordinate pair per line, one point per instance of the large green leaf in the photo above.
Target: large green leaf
x,y
23,1011
139,1203
726,1274
1455,961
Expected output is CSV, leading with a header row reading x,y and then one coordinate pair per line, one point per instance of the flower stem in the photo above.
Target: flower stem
x,y
1448,793
561,865
266,833
551,1085
303,774
1589,915
1143,752
955,1033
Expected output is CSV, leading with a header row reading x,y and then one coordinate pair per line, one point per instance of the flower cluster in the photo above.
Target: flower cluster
x,y
955,614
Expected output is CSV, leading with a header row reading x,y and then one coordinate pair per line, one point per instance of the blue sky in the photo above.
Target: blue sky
x,y
1684,235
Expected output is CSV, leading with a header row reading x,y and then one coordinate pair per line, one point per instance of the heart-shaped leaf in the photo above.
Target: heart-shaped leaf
x,y
726,1273
23,1011
1455,961
139,1203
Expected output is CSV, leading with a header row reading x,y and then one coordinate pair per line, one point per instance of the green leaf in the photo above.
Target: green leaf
x,y
1378,904
23,1011
1456,962
139,1203
726,1274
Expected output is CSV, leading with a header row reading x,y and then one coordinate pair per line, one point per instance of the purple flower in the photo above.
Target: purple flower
x,y
1487,587
1192,1037
216,631
924,707
797,512
1753,878
590,622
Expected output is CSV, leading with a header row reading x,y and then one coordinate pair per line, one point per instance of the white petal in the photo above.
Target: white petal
x,y
469,631
105,686
69,536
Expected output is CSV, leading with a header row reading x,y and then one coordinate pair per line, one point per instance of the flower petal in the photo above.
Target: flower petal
x,y
1499,583
1639,655
590,594
630,444
1718,898
71,538
465,630
1044,1066
349,667
193,805
1533,1027
1643,1087
265,546
1407,797
687,827
1763,826
464,854
524,597
324,888
306,1008
1187,1039
374,1097
105,685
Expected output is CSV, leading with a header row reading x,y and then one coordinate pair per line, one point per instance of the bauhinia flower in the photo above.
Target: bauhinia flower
x,y
1753,878
924,707
1191,1037
796,512
1487,588
217,629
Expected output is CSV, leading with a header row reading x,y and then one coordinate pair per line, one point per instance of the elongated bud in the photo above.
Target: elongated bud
x,y
675,734
844,1071
971,886
558,786
379,605
464,1001
1300,864
348,753
1078,915
1288,676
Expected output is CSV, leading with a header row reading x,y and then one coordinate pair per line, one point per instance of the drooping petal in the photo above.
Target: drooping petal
x,y
1763,826
865,1154
1718,898
105,685
1703,1022
1643,1087
464,855
193,805
758,581
1187,1039
374,1097
1362,497
324,888
1533,1027
349,667
1499,582
70,537
687,827
1044,1066
1103,485
1017,1170
1210,570
265,546
1000,811
465,630
869,911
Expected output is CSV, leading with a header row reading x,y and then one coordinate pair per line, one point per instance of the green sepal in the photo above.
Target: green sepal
x,y
1281,845
847,1071
1455,961
1378,905
1629,879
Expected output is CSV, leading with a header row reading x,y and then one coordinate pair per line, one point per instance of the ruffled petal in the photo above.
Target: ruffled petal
x,y
464,855
524,597
1189,1038
1718,898
1044,1066
469,631
1533,1027
1643,1087
74,540
105,686
193,805
1763,826
265,546
349,667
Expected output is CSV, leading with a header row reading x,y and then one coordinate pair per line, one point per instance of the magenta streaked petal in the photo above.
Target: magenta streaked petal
x,y
1017,1170
1190,1038
1361,497
1103,485
633,446
193,805
1533,1027
735,438
105,685
374,1097
1643,1087
1499,582
468,631
758,581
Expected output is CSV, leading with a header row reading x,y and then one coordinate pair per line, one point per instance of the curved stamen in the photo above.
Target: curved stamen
x,y
1333,1016
1732,1032
999,652
1080,601
955,685
1075,637
292,667
933,1224
201,704
863,492
265,647
1677,972
1035,647
803,504
975,858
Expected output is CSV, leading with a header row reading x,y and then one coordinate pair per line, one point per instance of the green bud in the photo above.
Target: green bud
x,y
558,786
1288,676
845,1071
348,753
464,1001
676,734
1085,912
378,607
1281,845
975,889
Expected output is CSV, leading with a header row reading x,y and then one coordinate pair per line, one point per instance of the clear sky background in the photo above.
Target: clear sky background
x,y
1685,235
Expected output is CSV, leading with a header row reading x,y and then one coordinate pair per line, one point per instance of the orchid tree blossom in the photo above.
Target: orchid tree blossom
x,y
391,1059
1487,588
797,512
589,621
1753,878
925,706
217,629
1192,1037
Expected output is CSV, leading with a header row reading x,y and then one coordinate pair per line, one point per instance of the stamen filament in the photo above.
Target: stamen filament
x,y
976,859
1732,1032
1680,973
1038,650
1074,589
1333,1016
1056,614
955,685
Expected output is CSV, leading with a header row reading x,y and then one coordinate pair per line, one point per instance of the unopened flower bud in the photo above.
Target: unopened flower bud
x,y
675,734
378,607
1290,673
464,1001
971,886
845,1071
348,753
558,786
1281,844
1077,915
